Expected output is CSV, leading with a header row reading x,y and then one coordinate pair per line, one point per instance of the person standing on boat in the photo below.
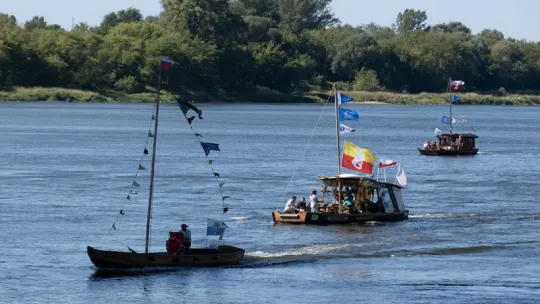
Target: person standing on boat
x,y
314,201
187,237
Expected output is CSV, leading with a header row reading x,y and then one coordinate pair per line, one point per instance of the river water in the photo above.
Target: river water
x,y
473,235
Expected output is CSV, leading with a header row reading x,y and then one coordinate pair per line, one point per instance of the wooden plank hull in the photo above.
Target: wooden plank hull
x,y
324,219
223,255
443,152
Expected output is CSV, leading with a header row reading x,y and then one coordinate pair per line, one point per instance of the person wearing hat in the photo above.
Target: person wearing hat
x,y
187,237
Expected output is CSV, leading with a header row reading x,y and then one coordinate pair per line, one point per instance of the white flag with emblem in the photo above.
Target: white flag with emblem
x,y
343,129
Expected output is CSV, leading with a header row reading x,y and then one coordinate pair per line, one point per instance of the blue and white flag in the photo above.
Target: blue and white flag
x,y
454,98
343,98
446,120
209,147
345,114
343,129
437,132
214,227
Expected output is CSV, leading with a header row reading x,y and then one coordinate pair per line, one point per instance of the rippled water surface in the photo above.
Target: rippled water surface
x,y
473,235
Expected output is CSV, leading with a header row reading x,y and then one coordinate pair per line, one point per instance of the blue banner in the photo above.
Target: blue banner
x,y
446,120
344,98
345,114
214,227
454,98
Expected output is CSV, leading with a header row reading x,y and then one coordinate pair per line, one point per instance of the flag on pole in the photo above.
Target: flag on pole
x,y
343,98
166,62
345,114
446,120
454,98
457,85
401,177
356,158
209,147
214,227
387,163
343,129
437,132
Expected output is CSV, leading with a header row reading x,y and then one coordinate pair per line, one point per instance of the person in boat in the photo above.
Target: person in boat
x,y
348,194
187,237
433,146
302,205
290,206
314,201
426,145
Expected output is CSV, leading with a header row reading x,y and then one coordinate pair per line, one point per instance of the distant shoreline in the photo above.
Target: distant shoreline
x,y
261,96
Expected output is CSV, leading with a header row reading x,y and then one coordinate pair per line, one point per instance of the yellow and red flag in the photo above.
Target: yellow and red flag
x,y
356,158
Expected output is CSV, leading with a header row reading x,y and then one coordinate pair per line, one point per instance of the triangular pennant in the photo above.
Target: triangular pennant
x,y
198,135
225,209
150,134
122,211
153,117
225,197
216,174
135,184
128,197
221,185
141,167
114,226
145,151
209,147
190,120
210,161
133,192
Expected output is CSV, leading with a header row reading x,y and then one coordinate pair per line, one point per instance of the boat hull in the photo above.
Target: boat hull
x,y
443,152
223,255
324,219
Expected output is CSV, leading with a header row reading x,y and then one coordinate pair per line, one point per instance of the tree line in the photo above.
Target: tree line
x,y
288,46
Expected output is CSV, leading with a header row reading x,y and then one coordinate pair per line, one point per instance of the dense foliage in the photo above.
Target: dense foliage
x,y
283,45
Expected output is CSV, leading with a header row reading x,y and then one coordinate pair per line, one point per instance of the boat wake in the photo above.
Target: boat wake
x,y
441,215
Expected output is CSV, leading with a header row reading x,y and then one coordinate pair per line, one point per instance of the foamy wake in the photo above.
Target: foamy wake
x,y
240,218
442,215
313,250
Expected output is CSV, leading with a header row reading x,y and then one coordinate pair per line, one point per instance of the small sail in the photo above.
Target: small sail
x,y
401,177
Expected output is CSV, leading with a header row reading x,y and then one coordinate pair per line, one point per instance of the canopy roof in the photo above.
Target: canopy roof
x,y
456,135
352,180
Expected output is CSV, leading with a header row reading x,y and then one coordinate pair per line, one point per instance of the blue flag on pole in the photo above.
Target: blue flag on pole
x,y
343,98
446,120
209,147
345,114
214,227
454,98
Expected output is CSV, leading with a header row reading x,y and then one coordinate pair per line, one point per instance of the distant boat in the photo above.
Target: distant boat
x,y
174,256
373,200
449,143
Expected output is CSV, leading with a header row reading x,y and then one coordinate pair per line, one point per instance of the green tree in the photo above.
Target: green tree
x,y
366,80
411,20
301,15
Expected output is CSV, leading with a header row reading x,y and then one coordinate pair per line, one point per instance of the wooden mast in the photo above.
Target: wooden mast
x,y
151,192
338,148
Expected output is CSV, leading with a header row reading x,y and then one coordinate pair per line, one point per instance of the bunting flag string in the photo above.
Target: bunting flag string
x,y
207,147
136,185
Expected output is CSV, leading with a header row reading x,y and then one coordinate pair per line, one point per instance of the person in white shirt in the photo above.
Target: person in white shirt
x,y
426,145
187,237
314,201
290,206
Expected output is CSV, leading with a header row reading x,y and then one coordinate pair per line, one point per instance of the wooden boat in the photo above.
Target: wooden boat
x,y
451,144
376,201
194,257
373,200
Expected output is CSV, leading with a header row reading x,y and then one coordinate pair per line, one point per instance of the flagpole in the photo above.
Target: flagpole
x,y
449,89
338,144
151,192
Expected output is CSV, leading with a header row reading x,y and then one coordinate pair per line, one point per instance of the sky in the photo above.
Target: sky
x,y
517,19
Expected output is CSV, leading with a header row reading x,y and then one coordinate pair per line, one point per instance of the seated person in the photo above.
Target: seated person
x,y
433,146
302,205
290,206
347,207
426,145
